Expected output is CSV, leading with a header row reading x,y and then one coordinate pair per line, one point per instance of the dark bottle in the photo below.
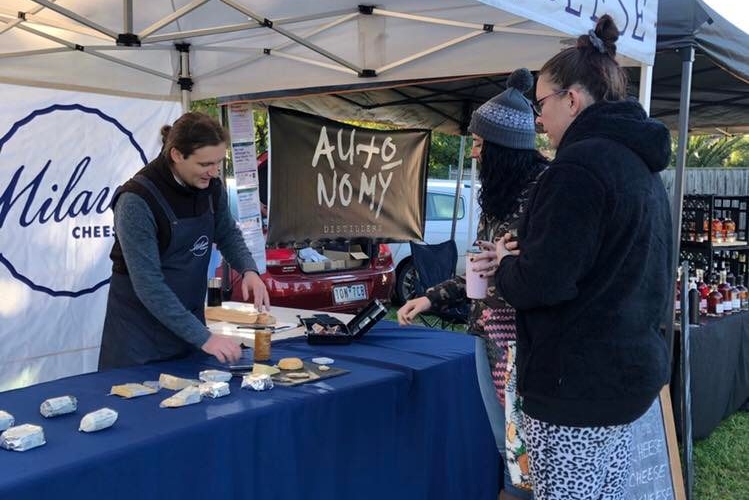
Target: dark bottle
x,y
694,304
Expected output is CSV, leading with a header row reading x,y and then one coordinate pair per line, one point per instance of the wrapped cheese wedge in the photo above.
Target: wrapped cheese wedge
x,y
53,407
98,420
187,396
6,420
22,437
214,376
214,389
173,383
128,391
257,382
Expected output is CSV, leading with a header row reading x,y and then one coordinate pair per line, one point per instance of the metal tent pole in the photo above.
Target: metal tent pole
x,y
185,80
461,158
687,60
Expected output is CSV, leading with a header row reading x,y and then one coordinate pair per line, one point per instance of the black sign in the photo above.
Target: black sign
x,y
655,474
330,180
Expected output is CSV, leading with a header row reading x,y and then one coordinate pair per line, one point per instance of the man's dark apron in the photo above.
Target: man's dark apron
x,y
132,335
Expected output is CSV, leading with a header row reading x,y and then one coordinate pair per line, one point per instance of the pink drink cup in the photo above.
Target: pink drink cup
x,y
475,284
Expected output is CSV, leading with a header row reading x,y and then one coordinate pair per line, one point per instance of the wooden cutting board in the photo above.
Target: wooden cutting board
x,y
233,316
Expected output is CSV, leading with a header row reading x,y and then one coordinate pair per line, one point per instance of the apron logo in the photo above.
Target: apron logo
x,y
55,199
200,247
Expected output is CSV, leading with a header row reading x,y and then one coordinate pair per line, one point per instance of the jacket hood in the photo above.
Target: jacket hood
x,y
627,123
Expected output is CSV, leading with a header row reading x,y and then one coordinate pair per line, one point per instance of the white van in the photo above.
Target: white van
x,y
440,199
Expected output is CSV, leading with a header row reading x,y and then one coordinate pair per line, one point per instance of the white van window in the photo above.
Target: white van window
x,y
440,206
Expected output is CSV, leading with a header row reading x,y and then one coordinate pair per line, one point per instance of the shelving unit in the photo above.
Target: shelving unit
x,y
699,244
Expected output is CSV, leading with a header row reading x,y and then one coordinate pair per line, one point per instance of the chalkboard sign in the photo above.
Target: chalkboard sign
x,y
656,471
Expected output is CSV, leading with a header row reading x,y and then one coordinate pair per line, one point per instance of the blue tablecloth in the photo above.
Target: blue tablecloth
x,y
407,422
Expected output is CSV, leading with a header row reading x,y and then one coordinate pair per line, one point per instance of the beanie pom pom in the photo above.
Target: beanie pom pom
x,y
520,79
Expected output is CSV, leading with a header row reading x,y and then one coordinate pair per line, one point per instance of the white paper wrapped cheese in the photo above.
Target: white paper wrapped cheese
x,y
187,396
53,407
6,420
98,420
22,437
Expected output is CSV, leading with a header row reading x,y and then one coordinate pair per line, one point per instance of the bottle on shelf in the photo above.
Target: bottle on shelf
x,y
703,289
714,303
743,294
725,290
704,235
694,302
717,229
735,298
729,230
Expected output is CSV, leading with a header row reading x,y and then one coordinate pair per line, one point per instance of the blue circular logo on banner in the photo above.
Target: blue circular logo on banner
x,y
59,168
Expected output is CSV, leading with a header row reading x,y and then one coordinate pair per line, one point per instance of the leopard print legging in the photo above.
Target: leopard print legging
x,y
578,463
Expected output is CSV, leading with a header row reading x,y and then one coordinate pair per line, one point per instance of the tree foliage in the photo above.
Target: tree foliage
x,y
714,151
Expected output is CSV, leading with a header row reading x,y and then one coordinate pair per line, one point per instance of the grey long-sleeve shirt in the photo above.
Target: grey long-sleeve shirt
x,y
136,230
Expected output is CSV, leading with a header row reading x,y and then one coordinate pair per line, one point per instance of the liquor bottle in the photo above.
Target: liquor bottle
x,y
717,229
729,230
705,235
735,299
703,289
714,278
714,303
725,289
743,294
694,303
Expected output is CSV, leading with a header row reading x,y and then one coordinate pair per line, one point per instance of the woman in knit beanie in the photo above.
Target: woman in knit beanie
x,y
505,143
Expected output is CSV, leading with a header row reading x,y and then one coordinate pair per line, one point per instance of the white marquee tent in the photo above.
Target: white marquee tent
x,y
228,47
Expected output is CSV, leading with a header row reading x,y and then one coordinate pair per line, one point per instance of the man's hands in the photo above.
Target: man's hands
x,y
251,281
223,348
413,308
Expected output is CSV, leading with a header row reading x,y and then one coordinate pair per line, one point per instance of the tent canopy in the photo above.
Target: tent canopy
x,y
255,46
720,90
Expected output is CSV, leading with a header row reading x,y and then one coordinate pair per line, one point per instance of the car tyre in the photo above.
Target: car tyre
x,y
405,281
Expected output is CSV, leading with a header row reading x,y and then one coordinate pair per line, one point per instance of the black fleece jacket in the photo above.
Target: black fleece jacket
x,y
595,273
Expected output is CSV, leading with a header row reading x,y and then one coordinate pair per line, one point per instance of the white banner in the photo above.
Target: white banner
x,y
636,20
244,159
62,155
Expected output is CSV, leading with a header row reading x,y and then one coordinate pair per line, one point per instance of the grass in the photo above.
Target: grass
x,y
721,462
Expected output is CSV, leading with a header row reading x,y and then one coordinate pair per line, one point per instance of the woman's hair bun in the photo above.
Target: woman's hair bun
x,y
520,79
607,31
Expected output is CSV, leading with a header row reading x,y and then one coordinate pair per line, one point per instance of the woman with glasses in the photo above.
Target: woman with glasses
x,y
504,140
590,275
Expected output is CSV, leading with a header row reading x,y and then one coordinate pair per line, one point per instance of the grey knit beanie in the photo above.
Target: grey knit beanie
x,y
508,119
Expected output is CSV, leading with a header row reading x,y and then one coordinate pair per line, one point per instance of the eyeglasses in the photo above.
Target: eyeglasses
x,y
538,106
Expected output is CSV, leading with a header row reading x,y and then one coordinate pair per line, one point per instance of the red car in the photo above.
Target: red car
x,y
340,290
346,290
